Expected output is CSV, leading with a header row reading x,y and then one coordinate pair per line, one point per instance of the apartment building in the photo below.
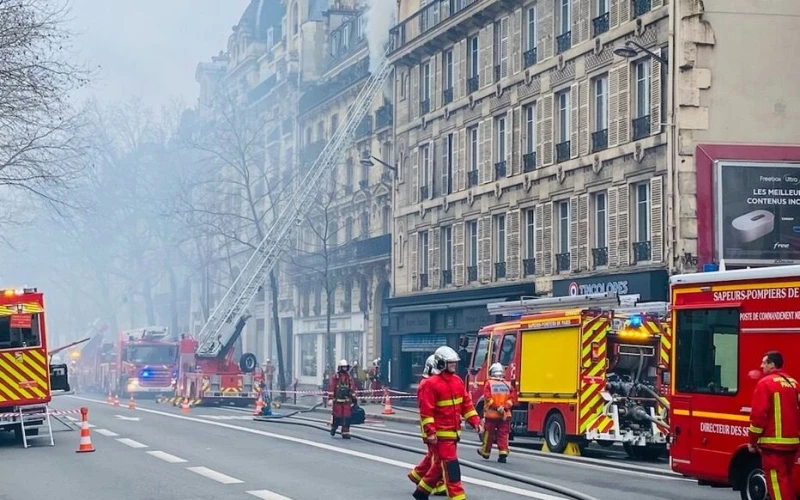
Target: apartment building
x,y
344,249
532,159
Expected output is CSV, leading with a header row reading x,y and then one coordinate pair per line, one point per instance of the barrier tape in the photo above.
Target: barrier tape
x,y
7,416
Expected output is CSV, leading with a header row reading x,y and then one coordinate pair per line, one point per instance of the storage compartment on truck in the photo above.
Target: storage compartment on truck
x,y
549,362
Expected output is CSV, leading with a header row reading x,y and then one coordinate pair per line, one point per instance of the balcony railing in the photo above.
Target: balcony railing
x,y
600,257
472,178
424,106
423,192
641,127
529,57
562,152
563,42
423,280
349,253
599,140
425,20
473,83
447,277
529,267
472,273
642,252
341,82
499,270
499,170
384,116
447,95
529,162
364,128
600,24
641,7
562,262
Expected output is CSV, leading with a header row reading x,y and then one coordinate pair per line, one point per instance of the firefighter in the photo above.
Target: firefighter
x,y
775,426
374,375
498,399
343,393
441,406
419,471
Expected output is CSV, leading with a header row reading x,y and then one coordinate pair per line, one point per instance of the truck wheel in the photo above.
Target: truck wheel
x,y
248,362
754,486
555,433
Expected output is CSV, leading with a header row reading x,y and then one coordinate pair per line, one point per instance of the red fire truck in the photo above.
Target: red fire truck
x,y
586,370
27,378
723,324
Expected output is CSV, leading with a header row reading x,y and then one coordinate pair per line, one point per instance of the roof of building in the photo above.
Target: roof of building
x,y
260,15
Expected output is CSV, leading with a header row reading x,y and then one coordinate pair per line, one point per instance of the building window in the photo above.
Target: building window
x,y
600,125
530,128
564,126
346,37
364,221
643,212
473,59
563,227
362,26
643,88
424,171
530,28
472,250
447,168
564,38
707,351
447,73
600,220
500,149
447,255
348,230
472,174
309,345
352,347
530,234
386,220
425,87
500,48
500,245
423,253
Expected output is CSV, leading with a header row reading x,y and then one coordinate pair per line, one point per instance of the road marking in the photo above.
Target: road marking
x,y
106,432
131,443
267,495
166,457
216,476
344,451
227,417
131,419
72,418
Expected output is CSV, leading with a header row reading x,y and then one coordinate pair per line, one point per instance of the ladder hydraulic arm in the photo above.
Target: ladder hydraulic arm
x,y
225,324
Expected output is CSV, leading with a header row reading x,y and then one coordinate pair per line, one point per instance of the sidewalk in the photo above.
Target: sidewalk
x,y
405,412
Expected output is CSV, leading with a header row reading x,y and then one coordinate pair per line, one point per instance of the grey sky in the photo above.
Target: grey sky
x,y
150,48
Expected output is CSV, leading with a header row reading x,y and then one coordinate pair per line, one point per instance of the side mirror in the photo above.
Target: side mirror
x,y
59,378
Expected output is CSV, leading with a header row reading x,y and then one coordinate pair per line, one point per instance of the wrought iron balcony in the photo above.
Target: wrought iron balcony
x,y
423,193
364,128
472,273
447,277
529,57
350,253
599,140
562,262
641,7
642,252
473,83
384,116
562,151
497,73
563,42
447,95
423,280
499,170
499,270
529,162
641,127
600,257
529,267
472,178
600,24
424,106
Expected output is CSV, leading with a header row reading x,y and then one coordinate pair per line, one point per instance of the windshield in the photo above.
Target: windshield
x,y
152,354
482,350
707,351
20,330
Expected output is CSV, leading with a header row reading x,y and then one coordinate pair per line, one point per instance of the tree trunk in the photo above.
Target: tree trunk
x,y
276,326
329,342
173,302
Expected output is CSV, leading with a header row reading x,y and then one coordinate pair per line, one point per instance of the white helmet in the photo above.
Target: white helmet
x,y
343,365
430,367
497,371
444,355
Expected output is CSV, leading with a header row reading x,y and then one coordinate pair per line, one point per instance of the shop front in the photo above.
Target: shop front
x,y
311,344
420,323
644,286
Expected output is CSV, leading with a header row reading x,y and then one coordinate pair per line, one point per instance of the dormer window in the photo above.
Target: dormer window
x,y
270,37
345,37
334,44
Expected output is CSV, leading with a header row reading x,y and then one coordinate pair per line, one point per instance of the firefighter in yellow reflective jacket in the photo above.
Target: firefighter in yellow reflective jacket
x,y
498,399
422,468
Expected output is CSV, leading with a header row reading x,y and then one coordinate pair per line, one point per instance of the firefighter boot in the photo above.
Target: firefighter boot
x,y
420,495
333,430
502,459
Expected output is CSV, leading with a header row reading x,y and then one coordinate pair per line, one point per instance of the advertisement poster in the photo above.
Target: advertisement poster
x,y
758,212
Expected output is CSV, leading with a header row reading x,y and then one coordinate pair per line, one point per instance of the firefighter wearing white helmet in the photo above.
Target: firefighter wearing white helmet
x,y
343,392
442,404
498,399
418,472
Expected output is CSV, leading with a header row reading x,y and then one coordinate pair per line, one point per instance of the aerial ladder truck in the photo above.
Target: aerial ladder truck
x,y
206,367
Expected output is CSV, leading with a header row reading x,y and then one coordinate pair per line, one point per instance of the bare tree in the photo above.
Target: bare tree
x,y
41,151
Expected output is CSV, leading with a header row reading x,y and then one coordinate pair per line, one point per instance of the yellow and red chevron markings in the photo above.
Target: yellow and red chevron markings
x,y
24,376
25,308
593,366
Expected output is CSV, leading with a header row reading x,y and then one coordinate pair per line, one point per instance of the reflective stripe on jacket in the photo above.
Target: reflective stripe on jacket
x,y
498,393
775,413
442,403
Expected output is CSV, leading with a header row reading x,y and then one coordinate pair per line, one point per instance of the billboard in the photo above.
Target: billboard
x,y
758,212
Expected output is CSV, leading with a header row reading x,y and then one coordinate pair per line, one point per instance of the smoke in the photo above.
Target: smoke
x,y
380,19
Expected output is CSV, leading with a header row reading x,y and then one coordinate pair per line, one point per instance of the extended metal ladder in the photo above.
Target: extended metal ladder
x,y
607,300
227,320
34,417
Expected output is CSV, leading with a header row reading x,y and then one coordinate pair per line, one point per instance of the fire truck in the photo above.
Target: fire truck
x,y
724,322
27,377
586,369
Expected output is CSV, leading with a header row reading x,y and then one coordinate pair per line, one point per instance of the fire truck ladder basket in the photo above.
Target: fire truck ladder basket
x,y
34,417
228,318
607,300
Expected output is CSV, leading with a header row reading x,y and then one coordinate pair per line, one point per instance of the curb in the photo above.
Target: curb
x,y
378,416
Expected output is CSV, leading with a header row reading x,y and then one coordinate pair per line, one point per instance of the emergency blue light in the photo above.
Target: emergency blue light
x,y
635,321
146,373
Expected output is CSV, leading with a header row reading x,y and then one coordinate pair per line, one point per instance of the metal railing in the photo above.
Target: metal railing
x,y
499,169
562,151
499,270
529,162
529,58
599,140
562,262
642,252
563,42
600,257
641,127
529,267
424,20
600,25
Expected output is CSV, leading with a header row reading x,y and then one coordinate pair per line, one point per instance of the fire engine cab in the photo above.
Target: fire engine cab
x,y
724,322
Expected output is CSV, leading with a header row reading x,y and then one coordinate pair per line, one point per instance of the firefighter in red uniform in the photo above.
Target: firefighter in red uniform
x,y
343,393
441,406
422,468
498,399
775,426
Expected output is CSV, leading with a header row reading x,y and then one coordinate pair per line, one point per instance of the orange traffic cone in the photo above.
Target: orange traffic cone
x,y
259,407
131,403
387,404
85,445
110,398
185,405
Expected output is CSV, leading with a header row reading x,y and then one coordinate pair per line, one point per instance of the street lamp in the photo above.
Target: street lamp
x,y
632,49
367,161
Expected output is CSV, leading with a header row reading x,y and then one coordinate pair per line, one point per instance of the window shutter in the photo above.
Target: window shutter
x,y
545,29
459,255
624,7
654,4
583,232
655,96
584,136
574,121
415,177
513,245
573,233
657,219
539,239
575,28
435,263
613,13
460,78
586,19
485,55
413,266
504,69
547,239
460,161
486,165
545,130
485,251
436,85
445,160
514,166
623,225
516,41
432,169
624,112
613,107
613,233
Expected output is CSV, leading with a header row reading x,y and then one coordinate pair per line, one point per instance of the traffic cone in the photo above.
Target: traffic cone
x,y
110,398
131,403
116,400
259,407
387,404
85,445
185,405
